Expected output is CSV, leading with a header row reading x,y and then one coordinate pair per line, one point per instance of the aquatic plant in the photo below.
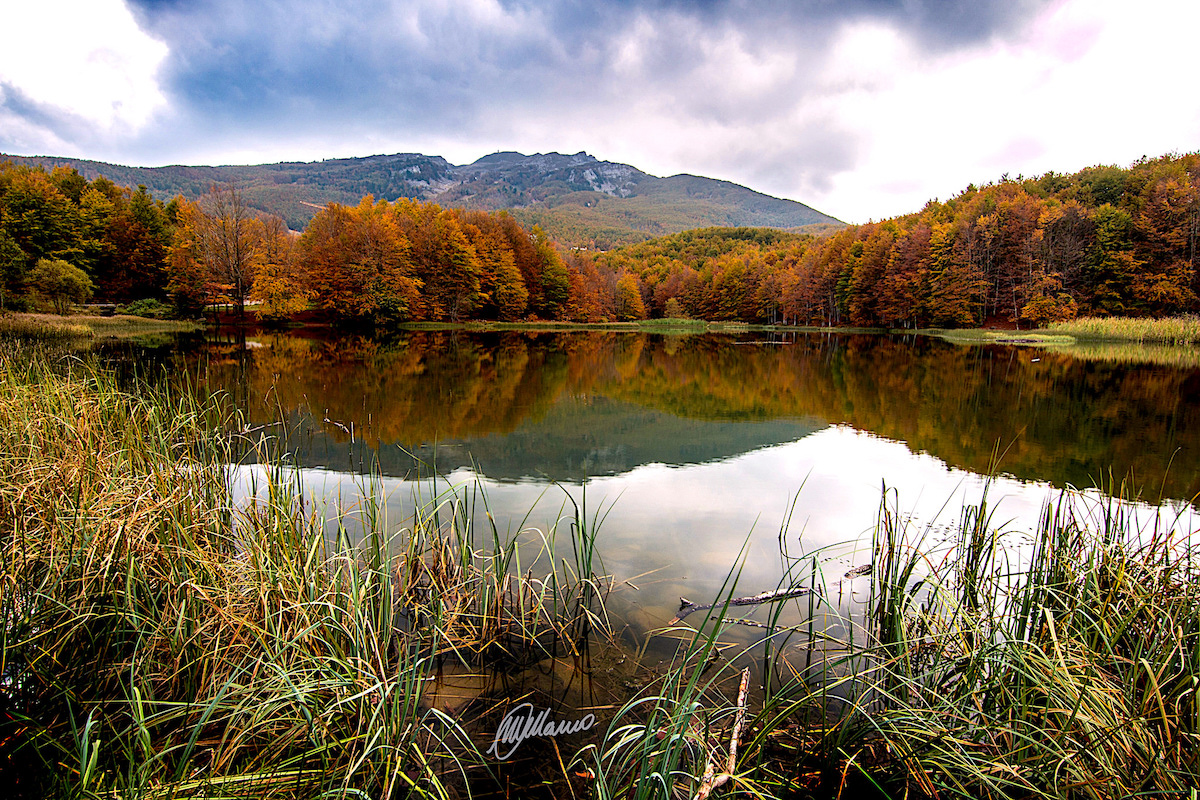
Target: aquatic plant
x,y
161,640
1061,664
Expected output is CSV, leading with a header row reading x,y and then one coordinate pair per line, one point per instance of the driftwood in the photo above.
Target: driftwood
x,y
687,607
711,780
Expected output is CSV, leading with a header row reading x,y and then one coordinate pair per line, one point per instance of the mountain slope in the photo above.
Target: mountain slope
x,y
578,199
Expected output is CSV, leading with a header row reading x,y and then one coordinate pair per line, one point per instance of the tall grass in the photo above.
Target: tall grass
x,y
159,641
43,326
1061,665
83,326
1168,330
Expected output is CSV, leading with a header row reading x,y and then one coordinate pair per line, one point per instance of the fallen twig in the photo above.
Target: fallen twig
x,y
712,782
687,607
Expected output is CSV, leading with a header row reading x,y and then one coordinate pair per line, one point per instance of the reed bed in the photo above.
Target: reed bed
x,y
1167,330
1063,664
84,326
43,326
159,641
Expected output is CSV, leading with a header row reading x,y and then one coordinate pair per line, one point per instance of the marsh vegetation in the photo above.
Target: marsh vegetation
x,y
165,636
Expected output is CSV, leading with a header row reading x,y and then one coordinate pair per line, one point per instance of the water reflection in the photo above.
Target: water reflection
x,y
671,532
566,406
706,452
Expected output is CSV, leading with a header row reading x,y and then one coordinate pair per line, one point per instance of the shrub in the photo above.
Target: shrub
x,y
147,307
60,283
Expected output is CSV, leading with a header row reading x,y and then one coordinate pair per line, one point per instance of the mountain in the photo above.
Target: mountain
x,y
577,199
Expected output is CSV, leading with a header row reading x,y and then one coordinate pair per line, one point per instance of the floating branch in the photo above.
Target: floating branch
x,y
687,607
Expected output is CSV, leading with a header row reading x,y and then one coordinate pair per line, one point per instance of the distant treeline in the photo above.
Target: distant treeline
x,y
1104,241
64,240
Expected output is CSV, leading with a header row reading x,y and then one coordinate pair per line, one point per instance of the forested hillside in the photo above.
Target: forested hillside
x,y
1105,241
577,199
65,240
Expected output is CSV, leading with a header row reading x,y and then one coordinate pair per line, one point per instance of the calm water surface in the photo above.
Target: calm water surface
x,y
697,447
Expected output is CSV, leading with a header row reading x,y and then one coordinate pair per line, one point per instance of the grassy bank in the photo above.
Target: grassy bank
x,y
1165,330
55,326
161,641
988,336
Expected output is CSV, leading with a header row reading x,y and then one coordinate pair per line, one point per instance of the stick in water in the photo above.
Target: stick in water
x,y
687,607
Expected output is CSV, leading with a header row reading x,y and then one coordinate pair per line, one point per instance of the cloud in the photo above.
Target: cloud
x,y
862,108
88,72
1089,83
269,77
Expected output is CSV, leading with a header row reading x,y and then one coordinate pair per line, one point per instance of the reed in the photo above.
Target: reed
x,y
1058,664
1167,330
83,326
159,640
43,326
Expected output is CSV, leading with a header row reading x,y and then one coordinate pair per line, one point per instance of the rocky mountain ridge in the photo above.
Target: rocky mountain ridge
x,y
578,198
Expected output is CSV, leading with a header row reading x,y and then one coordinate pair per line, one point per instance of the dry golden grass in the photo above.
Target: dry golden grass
x,y
56,326
160,641
1166,330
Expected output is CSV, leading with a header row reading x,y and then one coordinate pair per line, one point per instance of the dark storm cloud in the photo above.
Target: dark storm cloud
x,y
420,66
239,68
935,23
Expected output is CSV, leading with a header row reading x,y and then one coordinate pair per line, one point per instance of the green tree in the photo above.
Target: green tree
x,y
555,280
60,283
13,265
1110,267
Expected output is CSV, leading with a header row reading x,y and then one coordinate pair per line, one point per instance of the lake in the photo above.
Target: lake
x,y
703,452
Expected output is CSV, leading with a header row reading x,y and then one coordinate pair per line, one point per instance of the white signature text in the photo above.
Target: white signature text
x,y
525,722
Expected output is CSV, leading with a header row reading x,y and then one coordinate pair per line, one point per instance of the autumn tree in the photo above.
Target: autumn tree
x,y
188,282
357,264
1163,283
133,264
280,284
955,294
442,258
502,293
629,299
39,218
227,243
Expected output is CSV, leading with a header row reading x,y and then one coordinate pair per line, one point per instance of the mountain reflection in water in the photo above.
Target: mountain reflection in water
x,y
563,406
703,450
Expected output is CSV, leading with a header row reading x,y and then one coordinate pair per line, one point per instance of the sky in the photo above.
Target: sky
x,y
862,109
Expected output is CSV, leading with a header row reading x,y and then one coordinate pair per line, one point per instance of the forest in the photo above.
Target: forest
x,y
1106,241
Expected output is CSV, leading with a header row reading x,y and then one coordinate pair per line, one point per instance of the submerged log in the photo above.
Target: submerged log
x,y
687,607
